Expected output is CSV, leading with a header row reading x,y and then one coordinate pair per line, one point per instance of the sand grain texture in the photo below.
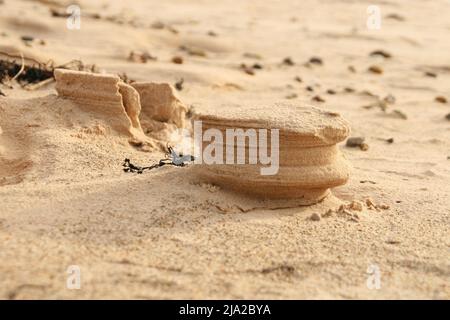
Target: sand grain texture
x,y
65,200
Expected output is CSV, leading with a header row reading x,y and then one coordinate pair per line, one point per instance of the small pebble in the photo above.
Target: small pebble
x,y
351,69
27,38
430,74
316,60
375,69
298,79
370,203
309,88
247,69
390,140
318,99
441,99
331,91
177,60
328,213
315,217
447,116
381,53
291,96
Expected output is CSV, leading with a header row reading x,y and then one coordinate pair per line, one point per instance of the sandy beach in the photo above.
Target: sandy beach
x,y
66,201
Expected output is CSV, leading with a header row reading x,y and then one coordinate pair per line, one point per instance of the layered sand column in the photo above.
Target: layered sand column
x,y
309,162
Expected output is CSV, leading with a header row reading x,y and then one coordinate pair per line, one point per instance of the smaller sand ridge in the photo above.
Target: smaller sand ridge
x,y
309,162
147,112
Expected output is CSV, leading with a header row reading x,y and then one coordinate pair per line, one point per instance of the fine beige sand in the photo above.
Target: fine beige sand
x,y
65,200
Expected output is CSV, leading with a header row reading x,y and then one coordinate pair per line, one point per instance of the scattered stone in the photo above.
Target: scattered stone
x,y
179,84
257,66
318,99
390,140
395,16
2,94
356,205
369,203
351,69
381,53
247,69
310,88
447,116
392,241
194,51
398,114
441,99
59,13
177,60
212,34
430,74
288,61
316,60
354,142
331,91
383,206
298,79
315,217
375,69
390,99
349,90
